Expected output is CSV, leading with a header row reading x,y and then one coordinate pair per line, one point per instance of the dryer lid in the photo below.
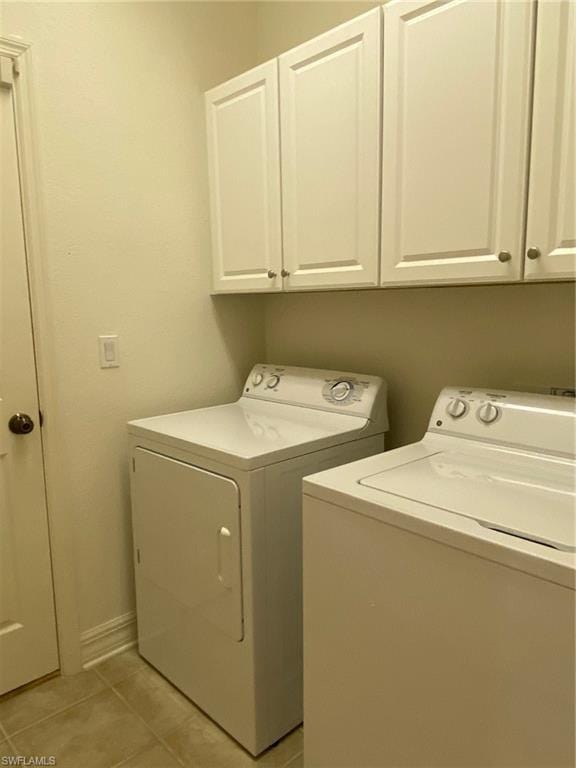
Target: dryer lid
x,y
250,433
527,496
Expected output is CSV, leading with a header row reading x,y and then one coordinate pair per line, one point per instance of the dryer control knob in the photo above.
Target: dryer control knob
x,y
257,379
488,413
273,381
457,408
341,390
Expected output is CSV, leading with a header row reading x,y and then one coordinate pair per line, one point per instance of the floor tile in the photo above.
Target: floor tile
x,y
5,750
155,756
199,743
297,762
121,666
20,710
156,701
284,751
96,733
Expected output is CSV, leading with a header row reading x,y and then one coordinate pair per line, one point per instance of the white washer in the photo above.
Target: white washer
x,y
216,507
439,593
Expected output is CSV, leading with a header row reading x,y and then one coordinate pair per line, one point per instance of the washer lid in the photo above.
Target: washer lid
x,y
250,433
526,496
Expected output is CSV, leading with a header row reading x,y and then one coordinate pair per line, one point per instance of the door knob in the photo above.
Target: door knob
x,y
21,424
271,274
285,273
533,253
504,256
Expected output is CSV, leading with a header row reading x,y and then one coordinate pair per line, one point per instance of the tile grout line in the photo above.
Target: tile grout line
x,y
12,746
293,759
7,738
157,736
121,680
149,727
111,686
52,714
160,738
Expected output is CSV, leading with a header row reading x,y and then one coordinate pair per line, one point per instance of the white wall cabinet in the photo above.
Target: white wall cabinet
x,y
394,149
330,131
551,229
455,132
244,170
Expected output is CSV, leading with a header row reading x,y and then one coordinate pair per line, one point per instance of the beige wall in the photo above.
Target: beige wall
x,y
418,339
283,25
120,121
421,339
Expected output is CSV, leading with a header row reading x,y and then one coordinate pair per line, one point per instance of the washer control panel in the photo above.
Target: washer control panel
x,y
517,418
349,393
457,407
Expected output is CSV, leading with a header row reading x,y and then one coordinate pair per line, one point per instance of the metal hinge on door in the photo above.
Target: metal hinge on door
x,y
8,70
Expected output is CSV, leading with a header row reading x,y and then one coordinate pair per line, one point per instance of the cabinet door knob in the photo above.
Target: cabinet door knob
x,y
271,274
285,273
504,256
533,253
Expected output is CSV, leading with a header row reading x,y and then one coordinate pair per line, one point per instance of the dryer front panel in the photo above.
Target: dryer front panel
x,y
187,539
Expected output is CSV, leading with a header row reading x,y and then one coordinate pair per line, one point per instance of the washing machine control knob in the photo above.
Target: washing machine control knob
x,y
273,381
457,408
488,413
257,379
341,390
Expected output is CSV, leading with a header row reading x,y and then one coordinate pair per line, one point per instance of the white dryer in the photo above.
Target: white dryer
x,y
439,593
216,507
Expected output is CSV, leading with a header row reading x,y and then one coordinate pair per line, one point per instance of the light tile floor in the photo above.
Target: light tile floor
x,y
123,713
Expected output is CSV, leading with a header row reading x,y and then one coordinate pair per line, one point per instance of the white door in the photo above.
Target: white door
x,y
187,542
551,230
455,129
244,169
330,129
28,648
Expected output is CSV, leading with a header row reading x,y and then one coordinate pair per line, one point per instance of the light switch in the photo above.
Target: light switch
x,y
109,353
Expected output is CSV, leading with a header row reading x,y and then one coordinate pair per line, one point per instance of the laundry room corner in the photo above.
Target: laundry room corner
x,y
129,79
288,383
519,336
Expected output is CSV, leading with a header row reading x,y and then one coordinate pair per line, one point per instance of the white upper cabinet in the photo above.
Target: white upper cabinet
x,y
330,138
456,110
551,231
244,168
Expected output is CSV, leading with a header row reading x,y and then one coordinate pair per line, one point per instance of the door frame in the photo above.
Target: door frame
x,y
60,526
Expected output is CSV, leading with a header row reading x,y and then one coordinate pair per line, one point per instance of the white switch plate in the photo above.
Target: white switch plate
x,y
109,352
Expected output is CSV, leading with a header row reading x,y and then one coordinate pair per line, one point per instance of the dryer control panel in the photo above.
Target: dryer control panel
x,y
531,421
351,393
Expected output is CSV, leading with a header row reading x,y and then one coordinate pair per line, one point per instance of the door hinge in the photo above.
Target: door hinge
x,y
7,72
41,418
138,556
133,464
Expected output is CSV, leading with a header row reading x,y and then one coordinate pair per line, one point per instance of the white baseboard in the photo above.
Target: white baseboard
x,y
108,639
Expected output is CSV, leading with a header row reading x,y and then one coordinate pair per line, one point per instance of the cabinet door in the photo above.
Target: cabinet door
x,y
552,202
457,77
330,116
244,166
